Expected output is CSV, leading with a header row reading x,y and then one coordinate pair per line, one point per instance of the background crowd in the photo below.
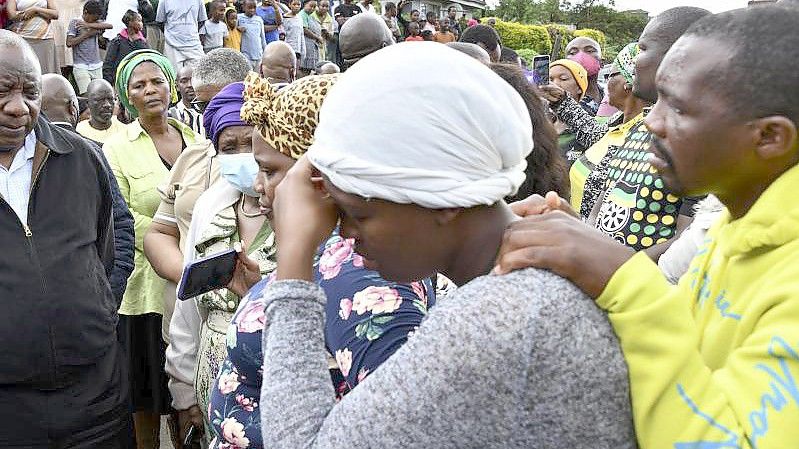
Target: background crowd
x,y
598,261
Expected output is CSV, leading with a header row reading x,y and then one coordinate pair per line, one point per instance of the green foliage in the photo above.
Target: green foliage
x,y
588,16
516,35
527,54
534,12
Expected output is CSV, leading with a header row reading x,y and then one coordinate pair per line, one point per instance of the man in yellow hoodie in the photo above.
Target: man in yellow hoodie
x,y
713,361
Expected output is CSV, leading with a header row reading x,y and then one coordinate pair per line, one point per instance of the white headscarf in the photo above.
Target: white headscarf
x,y
421,123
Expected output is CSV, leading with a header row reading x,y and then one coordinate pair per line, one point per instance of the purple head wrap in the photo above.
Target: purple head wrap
x,y
224,110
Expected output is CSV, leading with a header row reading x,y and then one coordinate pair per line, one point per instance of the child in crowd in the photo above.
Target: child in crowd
x,y
215,29
82,39
293,25
413,32
253,40
445,35
127,41
233,37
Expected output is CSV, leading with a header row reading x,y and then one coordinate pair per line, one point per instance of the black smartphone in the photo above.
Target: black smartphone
x,y
206,274
541,69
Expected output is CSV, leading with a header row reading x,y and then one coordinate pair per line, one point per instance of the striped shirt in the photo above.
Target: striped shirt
x,y
188,117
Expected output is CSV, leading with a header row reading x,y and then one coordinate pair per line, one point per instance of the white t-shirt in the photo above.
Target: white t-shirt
x,y
214,33
368,8
181,19
117,9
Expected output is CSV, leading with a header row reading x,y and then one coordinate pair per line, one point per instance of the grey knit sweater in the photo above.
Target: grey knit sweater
x,y
523,360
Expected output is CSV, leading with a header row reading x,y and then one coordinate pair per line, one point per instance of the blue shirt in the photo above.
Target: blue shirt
x,y
252,40
267,14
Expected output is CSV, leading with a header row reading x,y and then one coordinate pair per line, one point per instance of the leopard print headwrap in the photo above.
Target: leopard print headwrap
x,y
286,118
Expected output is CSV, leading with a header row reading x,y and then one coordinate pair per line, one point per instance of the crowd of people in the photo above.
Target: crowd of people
x,y
588,263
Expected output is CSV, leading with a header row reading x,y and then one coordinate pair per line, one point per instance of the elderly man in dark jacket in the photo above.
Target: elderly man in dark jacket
x,y
62,382
60,106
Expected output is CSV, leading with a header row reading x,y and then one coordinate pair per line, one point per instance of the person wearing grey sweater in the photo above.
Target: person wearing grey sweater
x,y
523,360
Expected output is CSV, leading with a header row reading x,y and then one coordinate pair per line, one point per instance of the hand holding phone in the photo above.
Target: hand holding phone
x,y
207,274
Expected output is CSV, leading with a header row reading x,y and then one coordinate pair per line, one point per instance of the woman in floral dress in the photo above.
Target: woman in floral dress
x,y
368,318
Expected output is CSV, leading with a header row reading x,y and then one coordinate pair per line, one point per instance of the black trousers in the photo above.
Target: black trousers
x,y
92,413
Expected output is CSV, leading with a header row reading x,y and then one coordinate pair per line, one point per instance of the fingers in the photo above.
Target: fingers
x,y
552,93
555,202
244,258
537,257
532,205
540,241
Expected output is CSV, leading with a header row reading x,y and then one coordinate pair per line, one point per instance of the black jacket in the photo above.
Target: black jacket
x,y
59,313
124,238
118,48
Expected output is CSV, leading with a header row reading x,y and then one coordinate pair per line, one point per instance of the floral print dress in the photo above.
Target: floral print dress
x,y
368,319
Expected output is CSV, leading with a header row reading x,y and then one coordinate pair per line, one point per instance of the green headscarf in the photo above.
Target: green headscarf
x,y
130,62
624,62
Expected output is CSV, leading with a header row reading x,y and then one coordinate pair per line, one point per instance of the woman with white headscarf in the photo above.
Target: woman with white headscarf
x,y
521,360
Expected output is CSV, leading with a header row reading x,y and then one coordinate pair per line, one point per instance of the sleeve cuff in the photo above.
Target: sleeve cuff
x,y
165,219
636,284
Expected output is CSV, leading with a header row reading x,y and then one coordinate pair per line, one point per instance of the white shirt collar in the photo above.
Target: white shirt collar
x,y
30,145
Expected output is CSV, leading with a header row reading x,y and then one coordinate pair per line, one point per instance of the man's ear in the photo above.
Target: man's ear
x,y
775,137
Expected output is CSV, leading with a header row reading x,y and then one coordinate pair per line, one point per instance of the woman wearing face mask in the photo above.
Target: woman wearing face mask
x,y
521,360
225,214
368,318
588,53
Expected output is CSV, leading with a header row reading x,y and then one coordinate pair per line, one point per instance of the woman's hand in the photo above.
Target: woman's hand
x,y
304,216
552,93
246,274
28,13
560,243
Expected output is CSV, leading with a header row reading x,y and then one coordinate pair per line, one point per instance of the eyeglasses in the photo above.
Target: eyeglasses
x,y
199,106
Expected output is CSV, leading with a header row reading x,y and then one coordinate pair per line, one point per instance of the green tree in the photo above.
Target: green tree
x,y
620,28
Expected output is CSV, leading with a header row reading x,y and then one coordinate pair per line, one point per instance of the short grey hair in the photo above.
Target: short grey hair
x,y
9,39
220,67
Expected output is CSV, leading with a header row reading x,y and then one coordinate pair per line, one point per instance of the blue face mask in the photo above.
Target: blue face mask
x,y
240,170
